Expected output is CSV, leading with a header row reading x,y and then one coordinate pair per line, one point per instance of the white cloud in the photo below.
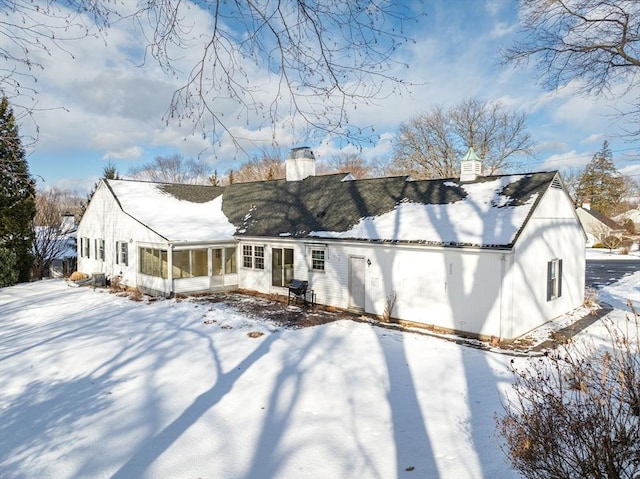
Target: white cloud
x,y
502,29
131,153
77,186
595,138
569,159
494,7
115,107
632,171
548,147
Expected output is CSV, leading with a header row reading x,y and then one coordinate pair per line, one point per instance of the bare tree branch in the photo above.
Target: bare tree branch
x,y
54,236
596,42
352,163
173,169
432,144
317,58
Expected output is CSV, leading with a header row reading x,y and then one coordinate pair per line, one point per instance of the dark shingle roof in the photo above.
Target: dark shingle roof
x,y
322,203
489,211
328,204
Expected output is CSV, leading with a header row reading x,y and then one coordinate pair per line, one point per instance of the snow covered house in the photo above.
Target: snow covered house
x,y
492,256
55,249
596,225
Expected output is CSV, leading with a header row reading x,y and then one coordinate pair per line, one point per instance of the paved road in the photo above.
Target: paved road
x,y
605,272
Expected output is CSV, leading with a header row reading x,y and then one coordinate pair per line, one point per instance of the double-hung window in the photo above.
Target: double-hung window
x,y
253,257
84,247
247,256
99,245
317,257
122,253
554,279
258,257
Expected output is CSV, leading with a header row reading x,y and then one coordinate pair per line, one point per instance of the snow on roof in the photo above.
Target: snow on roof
x,y
487,212
174,219
633,215
484,217
61,244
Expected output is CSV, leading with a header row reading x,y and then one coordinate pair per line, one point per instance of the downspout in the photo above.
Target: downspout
x,y
170,268
503,259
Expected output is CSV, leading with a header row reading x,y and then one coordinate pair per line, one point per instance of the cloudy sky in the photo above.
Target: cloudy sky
x,y
114,106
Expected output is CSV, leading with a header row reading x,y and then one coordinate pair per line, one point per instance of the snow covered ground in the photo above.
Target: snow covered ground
x,y
94,385
604,254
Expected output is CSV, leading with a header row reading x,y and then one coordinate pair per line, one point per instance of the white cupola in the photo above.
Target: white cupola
x,y
470,166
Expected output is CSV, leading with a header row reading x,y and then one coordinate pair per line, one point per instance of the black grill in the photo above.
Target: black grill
x,y
298,291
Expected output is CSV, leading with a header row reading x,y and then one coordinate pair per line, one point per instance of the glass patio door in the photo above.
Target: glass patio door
x,y
281,266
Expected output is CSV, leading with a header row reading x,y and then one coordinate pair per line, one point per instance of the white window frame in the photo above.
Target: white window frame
x,y
317,264
148,265
258,257
253,256
554,279
99,245
122,253
84,247
247,256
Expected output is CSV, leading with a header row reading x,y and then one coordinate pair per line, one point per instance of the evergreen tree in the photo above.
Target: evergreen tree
x,y
8,271
17,197
110,171
601,184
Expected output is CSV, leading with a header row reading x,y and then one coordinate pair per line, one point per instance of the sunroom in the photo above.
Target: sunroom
x,y
168,269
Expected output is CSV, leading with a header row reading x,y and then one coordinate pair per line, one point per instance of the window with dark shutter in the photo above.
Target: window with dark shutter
x,y
84,247
554,279
559,280
124,258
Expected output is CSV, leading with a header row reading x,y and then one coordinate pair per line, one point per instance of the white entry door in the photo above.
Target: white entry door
x,y
356,282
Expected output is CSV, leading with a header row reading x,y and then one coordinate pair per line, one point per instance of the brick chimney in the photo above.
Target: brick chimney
x,y
300,164
470,166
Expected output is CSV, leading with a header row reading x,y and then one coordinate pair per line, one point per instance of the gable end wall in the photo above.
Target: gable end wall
x,y
104,219
552,232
